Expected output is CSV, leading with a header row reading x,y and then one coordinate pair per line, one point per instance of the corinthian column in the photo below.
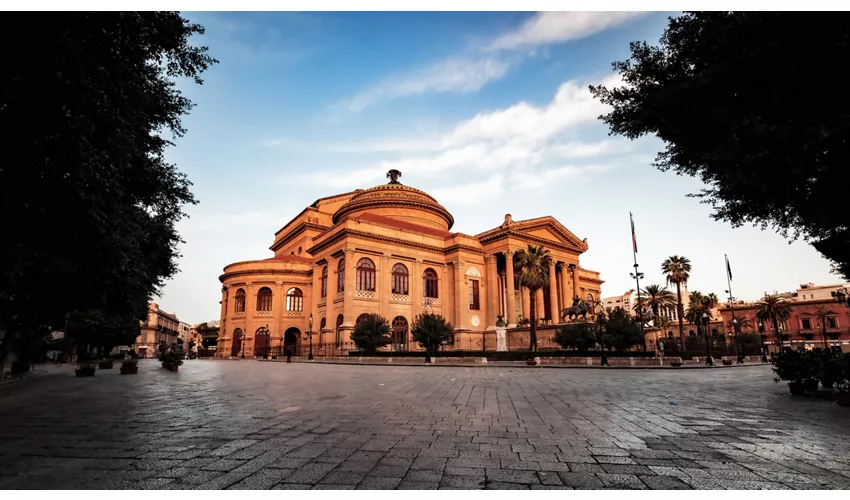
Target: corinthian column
x,y
461,299
565,292
509,269
492,291
553,292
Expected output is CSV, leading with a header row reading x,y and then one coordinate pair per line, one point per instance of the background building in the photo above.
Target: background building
x,y
159,326
389,250
803,328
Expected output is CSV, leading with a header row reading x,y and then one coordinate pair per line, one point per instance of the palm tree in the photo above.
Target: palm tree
x,y
775,309
654,298
822,313
677,270
532,269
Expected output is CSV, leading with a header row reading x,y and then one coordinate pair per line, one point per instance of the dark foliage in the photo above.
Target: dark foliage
x,y
621,332
578,336
371,332
754,104
431,330
88,202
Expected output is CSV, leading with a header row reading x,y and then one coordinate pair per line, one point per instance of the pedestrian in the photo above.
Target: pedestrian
x,y
603,361
288,353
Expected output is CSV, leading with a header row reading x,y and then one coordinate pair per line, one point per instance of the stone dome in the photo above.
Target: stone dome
x,y
397,201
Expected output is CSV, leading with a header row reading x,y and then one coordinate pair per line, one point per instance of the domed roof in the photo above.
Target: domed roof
x,y
393,195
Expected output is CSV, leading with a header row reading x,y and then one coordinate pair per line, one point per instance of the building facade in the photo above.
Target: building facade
x,y
389,250
159,326
803,328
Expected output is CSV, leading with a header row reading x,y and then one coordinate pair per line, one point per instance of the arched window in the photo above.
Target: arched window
x,y
294,300
339,320
264,299
430,282
324,281
239,305
323,324
340,276
366,275
400,279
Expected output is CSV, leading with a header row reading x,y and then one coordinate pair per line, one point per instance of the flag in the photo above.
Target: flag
x,y
728,269
634,238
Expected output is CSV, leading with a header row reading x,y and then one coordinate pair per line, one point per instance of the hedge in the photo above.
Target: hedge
x,y
505,355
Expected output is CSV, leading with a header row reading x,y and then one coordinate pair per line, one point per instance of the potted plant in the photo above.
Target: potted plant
x,y
85,369
829,369
129,366
789,366
677,361
172,360
842,379
811,367
532,361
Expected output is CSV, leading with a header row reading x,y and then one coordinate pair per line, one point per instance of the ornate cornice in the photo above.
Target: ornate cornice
x,y
257,272
369,236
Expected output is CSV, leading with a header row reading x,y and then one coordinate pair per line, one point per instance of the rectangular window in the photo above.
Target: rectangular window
x,y
806,324
474,303
832,322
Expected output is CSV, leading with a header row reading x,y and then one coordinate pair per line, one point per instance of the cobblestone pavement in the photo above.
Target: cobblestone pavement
x,y
255,425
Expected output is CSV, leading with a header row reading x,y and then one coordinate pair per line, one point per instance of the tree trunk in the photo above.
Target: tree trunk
x,y
532,316
680,310
824,334
778,336
5,349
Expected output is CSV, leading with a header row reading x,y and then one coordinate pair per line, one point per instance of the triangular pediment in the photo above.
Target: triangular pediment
x,y
541,229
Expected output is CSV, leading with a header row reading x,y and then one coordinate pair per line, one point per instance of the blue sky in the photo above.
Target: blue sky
x,y
488,112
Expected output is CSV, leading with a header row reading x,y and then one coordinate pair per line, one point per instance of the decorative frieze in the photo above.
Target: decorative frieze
x,y
364,294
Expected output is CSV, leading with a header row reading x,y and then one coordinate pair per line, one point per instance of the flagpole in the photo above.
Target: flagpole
x,y
732,308
637,276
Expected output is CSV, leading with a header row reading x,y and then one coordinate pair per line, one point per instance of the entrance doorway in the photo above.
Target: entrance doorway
x,y
290,340
261,342
400,333
236,345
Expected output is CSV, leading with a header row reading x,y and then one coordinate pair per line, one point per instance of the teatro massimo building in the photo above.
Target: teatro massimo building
x,y
390,250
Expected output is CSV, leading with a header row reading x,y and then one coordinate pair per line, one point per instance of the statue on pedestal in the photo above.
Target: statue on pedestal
x,y
501,334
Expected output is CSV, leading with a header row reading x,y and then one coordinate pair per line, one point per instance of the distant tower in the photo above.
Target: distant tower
x,y
393,176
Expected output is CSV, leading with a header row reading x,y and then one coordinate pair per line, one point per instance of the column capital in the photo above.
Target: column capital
x,y
489,258
329,259
386,257
509,253
459,264
348,252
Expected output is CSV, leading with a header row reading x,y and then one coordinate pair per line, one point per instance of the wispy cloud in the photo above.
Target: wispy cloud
x,y
451,75
523,146
490,61
548,28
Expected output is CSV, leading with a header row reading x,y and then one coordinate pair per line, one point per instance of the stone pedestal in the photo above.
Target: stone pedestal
x,y
501,339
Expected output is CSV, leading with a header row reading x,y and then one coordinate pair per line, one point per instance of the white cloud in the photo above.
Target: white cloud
x,y
451,75
473,193
520,138
469,73
557,27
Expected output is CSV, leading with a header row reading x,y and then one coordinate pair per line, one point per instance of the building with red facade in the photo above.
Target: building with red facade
x,y
803,328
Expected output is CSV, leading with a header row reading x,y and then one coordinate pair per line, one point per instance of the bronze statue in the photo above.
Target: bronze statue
x,y
393,176
579,308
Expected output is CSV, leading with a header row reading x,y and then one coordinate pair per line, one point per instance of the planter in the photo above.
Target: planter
x,y
727,362
797,388
105,365
811,385
172,368
531,362
675,363
842,398
85,372
129,369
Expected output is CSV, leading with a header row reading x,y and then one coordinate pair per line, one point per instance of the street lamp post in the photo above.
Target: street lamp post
x,y
840,296
708,359
310,337
738,343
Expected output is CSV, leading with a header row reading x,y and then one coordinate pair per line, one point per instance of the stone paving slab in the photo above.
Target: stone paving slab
x,y
254,425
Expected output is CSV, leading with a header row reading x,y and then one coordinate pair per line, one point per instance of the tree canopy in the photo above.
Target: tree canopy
x,y
621,331
371,332
431,329
88,201
754,104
